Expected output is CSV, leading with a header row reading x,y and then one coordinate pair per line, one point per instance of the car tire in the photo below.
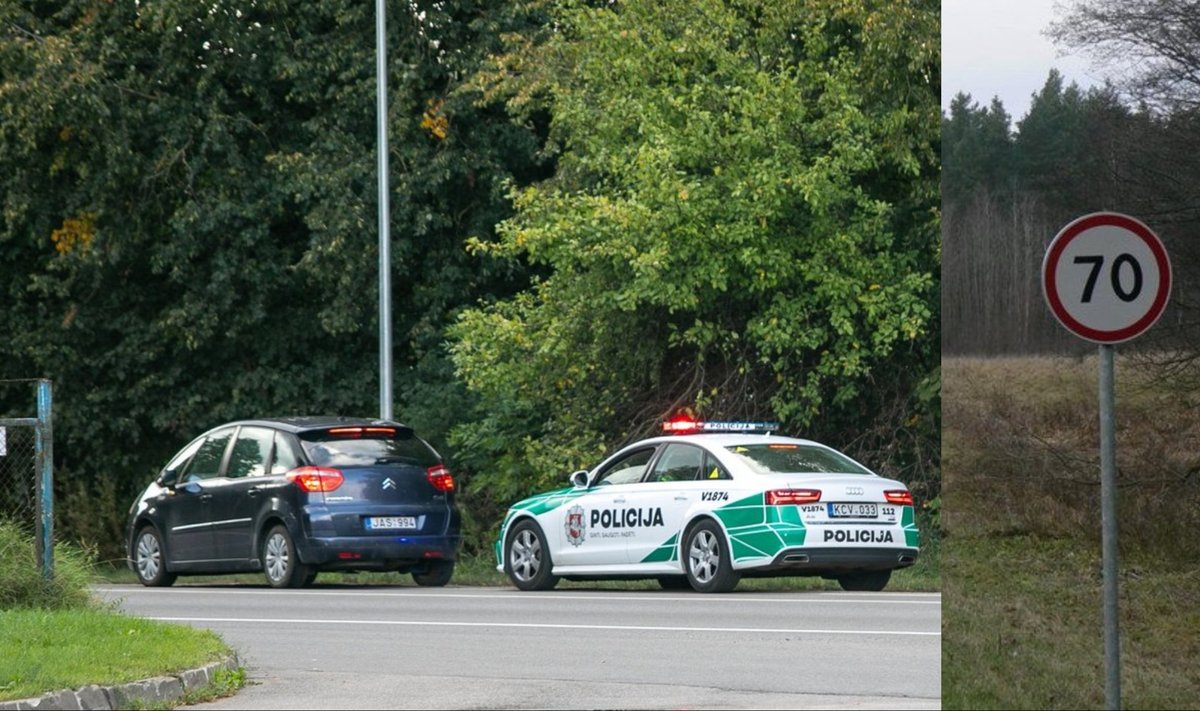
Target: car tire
x,y
674,582
150,559
527,559
872,581
707,561
280,563
436,575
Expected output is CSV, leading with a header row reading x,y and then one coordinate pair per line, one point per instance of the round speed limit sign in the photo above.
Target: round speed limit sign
x,y
1106,277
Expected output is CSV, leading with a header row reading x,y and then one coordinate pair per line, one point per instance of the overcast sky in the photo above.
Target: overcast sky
x,y
996,48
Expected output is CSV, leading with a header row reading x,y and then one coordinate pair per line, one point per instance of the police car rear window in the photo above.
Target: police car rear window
x,y
331,448
786,458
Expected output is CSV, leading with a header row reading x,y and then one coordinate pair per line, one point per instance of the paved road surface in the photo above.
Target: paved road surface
x,y
370,647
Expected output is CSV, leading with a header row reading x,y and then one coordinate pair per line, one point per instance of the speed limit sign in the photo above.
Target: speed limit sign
x,y
1106,277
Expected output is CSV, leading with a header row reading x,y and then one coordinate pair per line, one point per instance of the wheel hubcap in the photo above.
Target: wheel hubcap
x,y
149,557
703,556
277,557
526,555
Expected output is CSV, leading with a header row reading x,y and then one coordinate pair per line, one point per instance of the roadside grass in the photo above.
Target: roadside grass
x,y
55,636
49,650
1022,606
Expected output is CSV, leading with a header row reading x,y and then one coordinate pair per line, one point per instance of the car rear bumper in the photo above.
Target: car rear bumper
x,y
376,552
821,561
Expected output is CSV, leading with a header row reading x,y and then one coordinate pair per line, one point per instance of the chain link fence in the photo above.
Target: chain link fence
x,y
26,461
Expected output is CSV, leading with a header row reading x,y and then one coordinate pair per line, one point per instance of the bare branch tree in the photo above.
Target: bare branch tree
x,y
1152,47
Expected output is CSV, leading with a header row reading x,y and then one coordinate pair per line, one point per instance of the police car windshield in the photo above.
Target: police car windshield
x,y
787,458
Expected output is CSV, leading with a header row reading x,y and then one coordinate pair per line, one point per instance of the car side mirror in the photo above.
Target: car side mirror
x,y
579,479
168,478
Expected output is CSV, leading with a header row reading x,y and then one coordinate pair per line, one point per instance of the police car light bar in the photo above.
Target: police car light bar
x,y
683,425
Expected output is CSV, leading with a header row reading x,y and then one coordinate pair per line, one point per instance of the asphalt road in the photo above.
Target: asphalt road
x,y
349,647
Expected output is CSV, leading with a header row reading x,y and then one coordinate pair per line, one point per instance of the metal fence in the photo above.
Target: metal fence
x,y
26,468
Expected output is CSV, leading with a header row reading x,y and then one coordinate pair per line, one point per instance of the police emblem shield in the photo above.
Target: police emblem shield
x,y
574,525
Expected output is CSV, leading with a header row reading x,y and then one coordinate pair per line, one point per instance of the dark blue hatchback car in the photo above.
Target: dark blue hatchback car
x,y
292,497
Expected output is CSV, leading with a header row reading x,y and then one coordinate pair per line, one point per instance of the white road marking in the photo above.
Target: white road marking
x,y
530,625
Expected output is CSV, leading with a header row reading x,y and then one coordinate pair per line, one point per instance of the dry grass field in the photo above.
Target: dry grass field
x,y
1022,616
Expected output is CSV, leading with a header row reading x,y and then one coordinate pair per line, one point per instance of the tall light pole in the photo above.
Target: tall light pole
x,y
385,243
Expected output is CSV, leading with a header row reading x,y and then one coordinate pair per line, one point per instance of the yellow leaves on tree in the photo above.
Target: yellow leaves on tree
x,y
75,233
435,121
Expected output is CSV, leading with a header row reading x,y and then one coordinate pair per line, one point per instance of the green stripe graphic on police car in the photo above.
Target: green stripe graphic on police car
x,y
665,553
912,536
535,505
755,530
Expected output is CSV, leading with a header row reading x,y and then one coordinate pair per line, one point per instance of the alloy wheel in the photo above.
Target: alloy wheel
x,y
704,556
278,557
149,556
526,555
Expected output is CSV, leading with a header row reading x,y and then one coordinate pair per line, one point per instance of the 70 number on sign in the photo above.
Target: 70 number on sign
x,y
1118,288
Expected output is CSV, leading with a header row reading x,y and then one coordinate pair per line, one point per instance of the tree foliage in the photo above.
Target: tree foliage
x,y
728,206
743,223
189,228
1150,47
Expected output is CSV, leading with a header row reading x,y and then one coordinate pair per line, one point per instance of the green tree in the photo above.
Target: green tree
x,y
188,232
977,149
743,223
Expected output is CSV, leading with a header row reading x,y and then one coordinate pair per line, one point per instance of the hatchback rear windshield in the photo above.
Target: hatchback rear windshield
x,y
788,458
329,449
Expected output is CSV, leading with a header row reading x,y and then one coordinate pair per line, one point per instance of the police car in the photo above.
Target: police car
x,y
708,504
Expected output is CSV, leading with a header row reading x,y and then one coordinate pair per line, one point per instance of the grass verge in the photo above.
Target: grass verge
x,y
55,636
1022,606
49,650
1023,627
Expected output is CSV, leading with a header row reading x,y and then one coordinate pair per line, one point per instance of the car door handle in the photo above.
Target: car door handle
x,y
253,492
206,497
620,500
681,498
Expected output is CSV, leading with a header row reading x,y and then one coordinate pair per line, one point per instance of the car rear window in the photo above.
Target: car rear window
x,y
346,447
788,458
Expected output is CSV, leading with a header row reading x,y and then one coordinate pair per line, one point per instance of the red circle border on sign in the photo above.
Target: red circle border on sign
x,y
1054,253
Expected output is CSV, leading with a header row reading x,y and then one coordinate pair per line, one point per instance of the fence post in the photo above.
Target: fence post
x,y
44,459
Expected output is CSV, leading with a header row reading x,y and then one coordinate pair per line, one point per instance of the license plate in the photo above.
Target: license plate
x,y
374,523
853,510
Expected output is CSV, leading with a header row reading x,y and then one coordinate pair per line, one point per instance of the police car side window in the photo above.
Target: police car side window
x,y
627,469
679,462
713,469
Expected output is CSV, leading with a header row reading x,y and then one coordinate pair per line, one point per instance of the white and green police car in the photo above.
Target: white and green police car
x,y
707,508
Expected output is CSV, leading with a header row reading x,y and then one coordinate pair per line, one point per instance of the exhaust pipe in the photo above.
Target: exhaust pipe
x,y
795,558
907,559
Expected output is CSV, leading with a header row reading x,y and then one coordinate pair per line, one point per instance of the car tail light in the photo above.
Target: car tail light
x,y
783,497
358,432
440,477
903,497
314,479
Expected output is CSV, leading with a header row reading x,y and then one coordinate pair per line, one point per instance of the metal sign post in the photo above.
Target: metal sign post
x,y
1108,530
385,235
1107,279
